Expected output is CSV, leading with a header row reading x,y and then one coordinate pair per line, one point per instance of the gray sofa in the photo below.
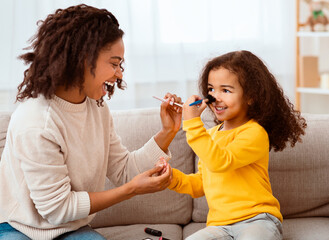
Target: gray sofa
x,y
299,178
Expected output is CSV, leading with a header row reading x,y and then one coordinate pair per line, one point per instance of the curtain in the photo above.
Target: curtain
x,y
167,42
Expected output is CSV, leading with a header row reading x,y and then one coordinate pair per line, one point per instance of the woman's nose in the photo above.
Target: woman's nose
x,y
118,73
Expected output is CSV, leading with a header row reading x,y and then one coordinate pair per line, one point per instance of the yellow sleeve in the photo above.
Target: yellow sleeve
x,y
249,145
189,184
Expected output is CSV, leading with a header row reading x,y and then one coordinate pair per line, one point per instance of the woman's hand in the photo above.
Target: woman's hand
x,y
171,119
194,111
141,184
171,115
146,182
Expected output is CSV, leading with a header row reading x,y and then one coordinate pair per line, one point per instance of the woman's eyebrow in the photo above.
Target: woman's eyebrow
x,y
118,58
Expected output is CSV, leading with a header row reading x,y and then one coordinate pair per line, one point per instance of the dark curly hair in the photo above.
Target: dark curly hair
x,y
268,104
65,41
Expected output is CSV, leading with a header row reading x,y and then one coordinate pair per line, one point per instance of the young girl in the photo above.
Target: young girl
x,y
61,143
254,117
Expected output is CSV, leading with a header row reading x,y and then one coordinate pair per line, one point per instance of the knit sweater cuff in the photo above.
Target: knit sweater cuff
x,y
83,208
153,153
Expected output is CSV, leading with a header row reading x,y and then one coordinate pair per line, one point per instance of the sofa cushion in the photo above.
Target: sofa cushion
x,y
169,231
299,176
200,205
315,228
135,128
191,228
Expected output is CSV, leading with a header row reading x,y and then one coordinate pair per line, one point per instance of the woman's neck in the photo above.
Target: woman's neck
x,y
72,95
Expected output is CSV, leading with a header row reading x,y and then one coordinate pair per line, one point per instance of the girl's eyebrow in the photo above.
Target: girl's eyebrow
x,y
224,85
227,86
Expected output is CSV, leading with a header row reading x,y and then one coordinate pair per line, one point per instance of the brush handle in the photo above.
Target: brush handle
x,y
196,102
209,97
162,100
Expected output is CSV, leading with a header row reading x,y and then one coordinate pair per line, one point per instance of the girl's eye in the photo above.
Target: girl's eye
x,y
226,91
210,89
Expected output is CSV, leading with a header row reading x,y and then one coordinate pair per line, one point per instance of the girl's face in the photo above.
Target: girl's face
x,y
229,106
107,70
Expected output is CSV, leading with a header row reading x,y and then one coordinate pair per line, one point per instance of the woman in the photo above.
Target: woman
x,y
61,143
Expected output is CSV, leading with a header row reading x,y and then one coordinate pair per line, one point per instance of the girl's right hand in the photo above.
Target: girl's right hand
x,y
147,183
194,111
162,163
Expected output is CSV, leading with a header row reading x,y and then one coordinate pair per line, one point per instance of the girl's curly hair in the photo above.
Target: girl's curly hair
x,y
268,104
65,41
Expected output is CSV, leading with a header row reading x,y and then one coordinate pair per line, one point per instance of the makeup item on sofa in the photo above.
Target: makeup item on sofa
x,y
162,238
210,98
153,232
162,100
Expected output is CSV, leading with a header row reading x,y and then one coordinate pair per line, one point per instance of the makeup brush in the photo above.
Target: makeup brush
x,y
210,98
171,103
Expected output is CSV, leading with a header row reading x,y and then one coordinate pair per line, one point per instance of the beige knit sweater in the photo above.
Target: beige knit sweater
x,y
55,153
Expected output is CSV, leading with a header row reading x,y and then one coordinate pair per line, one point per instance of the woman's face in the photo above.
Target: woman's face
x,y
107,70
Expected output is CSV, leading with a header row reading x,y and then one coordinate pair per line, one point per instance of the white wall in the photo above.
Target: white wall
x,y
169,63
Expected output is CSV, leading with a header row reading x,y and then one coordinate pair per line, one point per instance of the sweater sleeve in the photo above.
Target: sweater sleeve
x,y
47,178
189,184
248,146
124,165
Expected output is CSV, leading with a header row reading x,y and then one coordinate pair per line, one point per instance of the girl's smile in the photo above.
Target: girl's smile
x,y
218,109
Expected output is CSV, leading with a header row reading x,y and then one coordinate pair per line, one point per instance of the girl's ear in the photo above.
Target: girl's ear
x,y
250,102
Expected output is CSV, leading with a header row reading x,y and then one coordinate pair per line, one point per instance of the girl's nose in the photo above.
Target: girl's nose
x,y
217,97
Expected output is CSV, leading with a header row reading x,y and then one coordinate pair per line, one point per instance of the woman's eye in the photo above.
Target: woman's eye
x,y
115,64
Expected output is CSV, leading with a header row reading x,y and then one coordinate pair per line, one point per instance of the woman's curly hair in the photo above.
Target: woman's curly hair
x,y
64,43
267,103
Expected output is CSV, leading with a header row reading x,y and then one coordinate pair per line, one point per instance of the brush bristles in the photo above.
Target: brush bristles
x,y
210,98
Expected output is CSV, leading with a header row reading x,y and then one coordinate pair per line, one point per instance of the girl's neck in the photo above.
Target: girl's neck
x,y
228,125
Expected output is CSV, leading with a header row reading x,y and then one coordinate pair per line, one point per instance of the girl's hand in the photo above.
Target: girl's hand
x,y
163,164
194,111
147,183
171,115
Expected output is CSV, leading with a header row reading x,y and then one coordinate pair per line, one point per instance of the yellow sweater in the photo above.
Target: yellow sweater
x,y
233,172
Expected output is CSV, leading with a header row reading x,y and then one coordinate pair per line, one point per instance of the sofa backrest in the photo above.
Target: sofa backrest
x,y
162,207
299,176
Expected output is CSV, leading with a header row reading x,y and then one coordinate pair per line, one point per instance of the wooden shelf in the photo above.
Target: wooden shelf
x,y
302,33
313,90
312,34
